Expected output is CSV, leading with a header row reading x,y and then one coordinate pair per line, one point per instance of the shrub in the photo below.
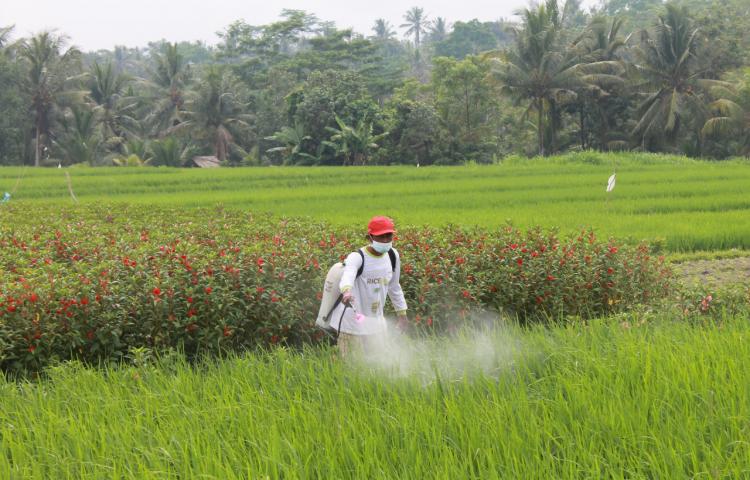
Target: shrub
x,y
97,281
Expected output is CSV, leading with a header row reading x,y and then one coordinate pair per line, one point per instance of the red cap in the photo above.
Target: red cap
x,y
380,225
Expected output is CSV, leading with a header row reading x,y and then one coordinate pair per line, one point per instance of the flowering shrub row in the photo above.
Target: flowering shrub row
x,y
96,281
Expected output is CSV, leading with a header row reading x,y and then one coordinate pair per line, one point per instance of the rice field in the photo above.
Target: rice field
x,y
615,399
639,395
682,204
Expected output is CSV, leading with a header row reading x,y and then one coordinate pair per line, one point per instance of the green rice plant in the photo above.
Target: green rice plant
x,y
634,397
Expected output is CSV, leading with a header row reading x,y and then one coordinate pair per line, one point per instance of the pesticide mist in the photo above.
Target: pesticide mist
x,y
488,350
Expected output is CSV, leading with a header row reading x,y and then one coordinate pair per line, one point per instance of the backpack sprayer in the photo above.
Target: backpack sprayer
x,y
332,294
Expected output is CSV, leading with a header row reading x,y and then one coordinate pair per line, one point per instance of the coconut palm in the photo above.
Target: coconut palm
x,y
170,152
216,113
107,92
78,140
671,78
730,114
5,35
131,160
438,30
540,70
383,30
354,144
169,78
49,65
416,24
601,96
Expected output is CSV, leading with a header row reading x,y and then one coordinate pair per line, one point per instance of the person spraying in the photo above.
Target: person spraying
x,y
369,275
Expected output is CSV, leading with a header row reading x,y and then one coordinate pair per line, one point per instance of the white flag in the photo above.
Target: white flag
x,y
611,183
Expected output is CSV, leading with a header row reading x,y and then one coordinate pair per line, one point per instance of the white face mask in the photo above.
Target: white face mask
x,y
381,247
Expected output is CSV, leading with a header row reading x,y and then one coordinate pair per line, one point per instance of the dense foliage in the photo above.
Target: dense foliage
x,y
631,74
99,281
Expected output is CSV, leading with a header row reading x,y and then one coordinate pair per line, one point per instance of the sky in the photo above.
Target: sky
x,y
102,24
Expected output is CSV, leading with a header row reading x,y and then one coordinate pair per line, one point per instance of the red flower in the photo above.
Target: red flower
x,y
189,299
32,348
191,312
610,271
460,261
227,331
156,291
11,308
209,290
466,294
612,249
274,339
260,289
33,297
539,300
85,301
520,262
260,262
550,277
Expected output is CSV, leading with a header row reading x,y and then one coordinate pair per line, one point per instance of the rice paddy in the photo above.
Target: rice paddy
x,y
682,204
639,395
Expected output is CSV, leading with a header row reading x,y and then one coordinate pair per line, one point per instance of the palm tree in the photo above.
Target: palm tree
x,y
355,144
131,160
383,30
730,116
438,30
217,111
5,35
171,152
135,152
106,91
667,66
78,140
601,95
540,71
49,66
416,24
169,78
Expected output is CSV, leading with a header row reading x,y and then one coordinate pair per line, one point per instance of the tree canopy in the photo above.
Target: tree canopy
x,y
627,74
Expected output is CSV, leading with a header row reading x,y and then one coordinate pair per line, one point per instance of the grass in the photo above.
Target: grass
x,y
653,400
683,204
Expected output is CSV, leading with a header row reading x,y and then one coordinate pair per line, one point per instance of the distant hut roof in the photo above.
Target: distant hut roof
x,y
206,162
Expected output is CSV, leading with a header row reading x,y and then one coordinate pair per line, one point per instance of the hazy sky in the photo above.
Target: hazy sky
x,y
94,24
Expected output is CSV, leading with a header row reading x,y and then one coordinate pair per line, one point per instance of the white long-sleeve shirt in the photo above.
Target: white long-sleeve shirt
x,y
369,290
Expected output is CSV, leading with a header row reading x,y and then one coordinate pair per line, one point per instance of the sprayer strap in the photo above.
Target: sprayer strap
x,y
336,304
391,256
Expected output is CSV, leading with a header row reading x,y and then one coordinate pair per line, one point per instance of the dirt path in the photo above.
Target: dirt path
x,y
715,273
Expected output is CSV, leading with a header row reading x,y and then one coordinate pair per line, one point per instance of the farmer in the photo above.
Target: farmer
x,y
363,324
